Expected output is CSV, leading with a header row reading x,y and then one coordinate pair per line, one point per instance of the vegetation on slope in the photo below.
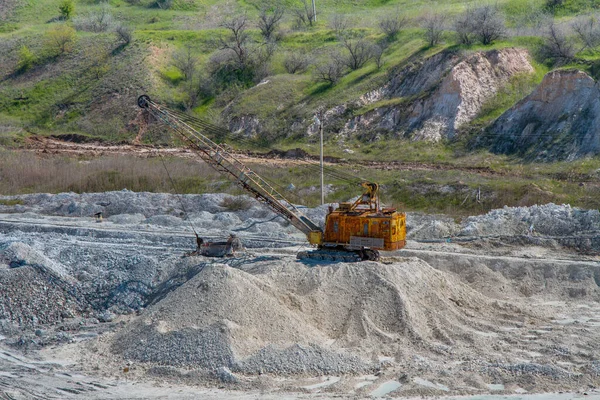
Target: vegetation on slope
x,y
79,72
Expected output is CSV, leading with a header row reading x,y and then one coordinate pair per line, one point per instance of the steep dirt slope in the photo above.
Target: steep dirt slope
x,y
560,120
440,94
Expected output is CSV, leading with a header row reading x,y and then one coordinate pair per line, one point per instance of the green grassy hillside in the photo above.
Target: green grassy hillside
x,y
77,76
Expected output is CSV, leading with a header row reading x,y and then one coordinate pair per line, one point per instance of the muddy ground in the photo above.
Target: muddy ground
x,y
111,309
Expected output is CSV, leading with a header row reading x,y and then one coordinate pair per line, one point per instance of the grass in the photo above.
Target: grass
x,y
60,95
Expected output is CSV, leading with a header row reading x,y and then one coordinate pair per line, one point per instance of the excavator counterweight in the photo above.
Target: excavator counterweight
x,y
353,231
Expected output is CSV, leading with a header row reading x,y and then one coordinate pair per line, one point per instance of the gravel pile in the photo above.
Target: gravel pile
x,y
33,291
549,219
281,316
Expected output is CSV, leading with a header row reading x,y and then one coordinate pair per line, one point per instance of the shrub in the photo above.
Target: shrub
x,y
26,59
123,33
391,25
236,203
296,62
558,47
60,40
100,21
268,21
332,69
305,15
360,52
66,9
433,24
488,24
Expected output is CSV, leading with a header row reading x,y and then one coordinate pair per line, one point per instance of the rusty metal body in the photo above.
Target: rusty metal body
x,y
364,224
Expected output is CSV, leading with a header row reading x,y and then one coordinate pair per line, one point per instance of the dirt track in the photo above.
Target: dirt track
x,y
47,145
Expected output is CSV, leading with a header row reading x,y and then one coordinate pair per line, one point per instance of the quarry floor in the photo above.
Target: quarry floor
x,y
102,310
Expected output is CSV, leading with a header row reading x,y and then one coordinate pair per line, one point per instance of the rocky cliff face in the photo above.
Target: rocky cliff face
x,y
440,94
560,120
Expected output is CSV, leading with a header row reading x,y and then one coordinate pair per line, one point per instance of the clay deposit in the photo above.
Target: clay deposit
x,y
479,306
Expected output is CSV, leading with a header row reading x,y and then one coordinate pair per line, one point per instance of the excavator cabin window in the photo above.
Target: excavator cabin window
x,y
335,226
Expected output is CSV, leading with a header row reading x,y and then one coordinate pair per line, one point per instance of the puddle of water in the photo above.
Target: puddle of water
x,y
383,359
495,387
326,382
429,384
520,390
385,388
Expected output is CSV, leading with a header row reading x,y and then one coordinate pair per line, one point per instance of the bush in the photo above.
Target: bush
x,y
433,24
60,40
331,69
26,59
101,21
268,21
391,25
360,52
558,47
296,62
123,33
484,24
236,203
66,8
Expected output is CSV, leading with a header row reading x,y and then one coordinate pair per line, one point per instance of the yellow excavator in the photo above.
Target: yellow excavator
x,y
355,231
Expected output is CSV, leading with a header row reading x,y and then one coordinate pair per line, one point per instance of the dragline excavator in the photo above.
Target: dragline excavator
x,y
354,231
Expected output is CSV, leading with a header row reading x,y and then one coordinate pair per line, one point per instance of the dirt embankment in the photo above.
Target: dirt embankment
x,y
440,94
560,120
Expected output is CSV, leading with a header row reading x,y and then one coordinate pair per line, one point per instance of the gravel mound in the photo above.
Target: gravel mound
x,y
549,219
284,317
33,290
115,203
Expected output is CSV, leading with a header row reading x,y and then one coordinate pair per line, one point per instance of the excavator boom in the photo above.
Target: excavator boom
x,y
223,161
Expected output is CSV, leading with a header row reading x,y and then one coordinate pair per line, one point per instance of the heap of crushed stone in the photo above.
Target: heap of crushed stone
x,y
285,317
35,290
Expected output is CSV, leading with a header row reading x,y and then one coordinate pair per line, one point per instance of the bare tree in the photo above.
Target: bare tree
x,y
360,52
332,69
433,24
237,39
268,21
588,31
378,55
488,24
185,61
464,27
557,46
124,33
339,23
296,62
305,15
391,25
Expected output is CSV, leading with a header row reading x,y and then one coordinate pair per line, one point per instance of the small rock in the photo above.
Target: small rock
x,y
225,375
